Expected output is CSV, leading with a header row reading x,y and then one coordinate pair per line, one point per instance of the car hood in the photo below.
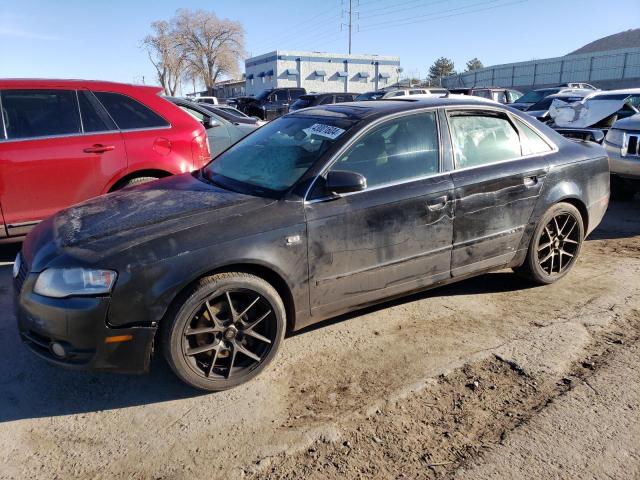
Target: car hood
x,y
165,210
583,114
629,123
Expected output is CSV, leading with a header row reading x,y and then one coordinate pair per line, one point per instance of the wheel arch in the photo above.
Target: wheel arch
x,y
149,172
567,192
267,273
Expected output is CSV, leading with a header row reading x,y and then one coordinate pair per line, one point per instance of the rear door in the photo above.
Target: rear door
x,y
392,237
60,149
498,175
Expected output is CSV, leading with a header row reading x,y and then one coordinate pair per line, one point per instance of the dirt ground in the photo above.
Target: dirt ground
x,y
488,378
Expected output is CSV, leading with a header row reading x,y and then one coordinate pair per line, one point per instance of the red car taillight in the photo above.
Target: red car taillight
x,y
200,150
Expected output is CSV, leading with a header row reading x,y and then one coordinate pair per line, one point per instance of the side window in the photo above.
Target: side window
x,y
399,93
398,150
482,139
129,113
326,100
194,113
94,116
532,143
296,93
417,92
500,96
512,95
343,98
40,113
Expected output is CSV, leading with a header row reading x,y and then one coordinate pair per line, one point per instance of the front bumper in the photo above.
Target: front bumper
x,y
79,325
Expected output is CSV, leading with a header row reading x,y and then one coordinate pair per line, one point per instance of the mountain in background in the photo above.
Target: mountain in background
x,y
627,39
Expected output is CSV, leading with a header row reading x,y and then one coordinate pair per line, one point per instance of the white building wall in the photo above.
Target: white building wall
x,y
364,72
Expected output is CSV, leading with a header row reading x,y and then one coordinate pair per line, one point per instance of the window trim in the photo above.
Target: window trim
x,y
509,115
169,125
366,130
6,139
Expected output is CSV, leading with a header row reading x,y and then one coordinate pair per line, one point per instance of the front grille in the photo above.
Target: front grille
x,y
22,275
631,149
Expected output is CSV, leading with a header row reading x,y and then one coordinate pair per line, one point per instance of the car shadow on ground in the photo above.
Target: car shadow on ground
x,y
622,220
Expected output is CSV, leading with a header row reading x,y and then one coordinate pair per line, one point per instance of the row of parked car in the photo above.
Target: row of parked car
x,y
66,141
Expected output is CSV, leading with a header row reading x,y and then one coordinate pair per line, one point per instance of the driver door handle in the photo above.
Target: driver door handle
x,y
437,203
530,181
98,148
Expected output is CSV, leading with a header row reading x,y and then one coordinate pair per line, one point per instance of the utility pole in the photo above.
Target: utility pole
x,y
350,17
349,25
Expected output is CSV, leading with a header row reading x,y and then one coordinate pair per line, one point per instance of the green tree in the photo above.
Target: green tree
x,y
442,67
474,64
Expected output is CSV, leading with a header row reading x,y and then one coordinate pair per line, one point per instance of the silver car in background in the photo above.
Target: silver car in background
x,y
623,148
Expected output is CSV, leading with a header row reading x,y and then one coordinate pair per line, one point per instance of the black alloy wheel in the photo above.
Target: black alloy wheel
x,y
555,245
227,330
559,243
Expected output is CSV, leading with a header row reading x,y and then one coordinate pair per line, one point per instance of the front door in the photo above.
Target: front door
x,y
52,158
395,235
499,172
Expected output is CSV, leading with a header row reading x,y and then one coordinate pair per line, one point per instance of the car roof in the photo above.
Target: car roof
x,y
30,83
362,110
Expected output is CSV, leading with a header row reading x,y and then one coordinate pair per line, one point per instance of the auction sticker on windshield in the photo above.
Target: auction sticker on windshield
x,y
327,131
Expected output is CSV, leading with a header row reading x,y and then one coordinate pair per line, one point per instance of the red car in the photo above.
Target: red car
x,y
64,141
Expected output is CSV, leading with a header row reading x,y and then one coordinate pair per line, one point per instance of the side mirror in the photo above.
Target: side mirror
x,y
341,181
211,123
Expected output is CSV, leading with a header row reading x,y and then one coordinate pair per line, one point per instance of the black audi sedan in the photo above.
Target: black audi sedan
x,y
320,212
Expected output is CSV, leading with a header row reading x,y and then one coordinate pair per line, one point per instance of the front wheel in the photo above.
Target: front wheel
x,y
223,331
555,245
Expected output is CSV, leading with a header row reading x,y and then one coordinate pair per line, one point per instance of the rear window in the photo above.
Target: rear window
x,y
94,116
129,113
40,113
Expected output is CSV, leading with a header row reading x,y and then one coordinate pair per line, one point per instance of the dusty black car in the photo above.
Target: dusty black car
x,y
320,212
314,99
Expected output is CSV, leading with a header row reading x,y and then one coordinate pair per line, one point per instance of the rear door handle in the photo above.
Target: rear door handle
x,y
97,148
437,203
530,181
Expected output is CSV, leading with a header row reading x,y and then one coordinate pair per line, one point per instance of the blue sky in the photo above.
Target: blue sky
x,y
101,39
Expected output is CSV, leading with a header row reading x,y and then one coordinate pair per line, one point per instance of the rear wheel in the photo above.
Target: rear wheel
x,y
555,245
223,331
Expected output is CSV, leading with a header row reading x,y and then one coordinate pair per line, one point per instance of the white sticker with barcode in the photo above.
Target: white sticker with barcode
x,y
324,131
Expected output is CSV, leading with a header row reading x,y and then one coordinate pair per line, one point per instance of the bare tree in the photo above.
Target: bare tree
x,y
211,47
166,55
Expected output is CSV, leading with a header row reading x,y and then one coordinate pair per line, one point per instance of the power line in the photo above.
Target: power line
x,y
436,15
396,10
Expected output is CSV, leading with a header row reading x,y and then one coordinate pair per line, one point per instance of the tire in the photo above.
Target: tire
x,y
212,347
137,181
551,256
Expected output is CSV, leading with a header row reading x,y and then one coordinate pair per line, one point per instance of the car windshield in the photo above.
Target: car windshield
x,y
262,95
273,158
535,96
370,96
302,102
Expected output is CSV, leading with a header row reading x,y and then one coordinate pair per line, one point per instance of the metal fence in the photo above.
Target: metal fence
x,y
607,69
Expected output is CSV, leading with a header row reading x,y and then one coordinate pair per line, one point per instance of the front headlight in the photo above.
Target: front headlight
x,y
615,137
67,282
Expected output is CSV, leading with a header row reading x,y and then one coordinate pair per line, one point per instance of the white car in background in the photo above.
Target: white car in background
x,y
592,117
413,92
209,100
540,110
